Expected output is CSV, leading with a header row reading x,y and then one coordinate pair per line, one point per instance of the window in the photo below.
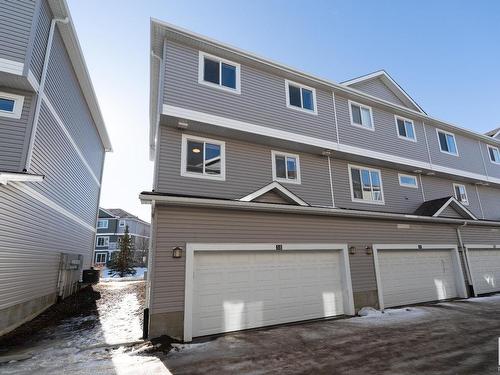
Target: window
x,y
361,115
102,241
102,224
300,97
286,167
461,193
121,223
100,258
366,185
407,180
406,129
216,72
11,105
494,154
447,142
203,158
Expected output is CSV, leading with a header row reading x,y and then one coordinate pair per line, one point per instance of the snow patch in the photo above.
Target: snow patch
x,y
139,275
369,311
389,316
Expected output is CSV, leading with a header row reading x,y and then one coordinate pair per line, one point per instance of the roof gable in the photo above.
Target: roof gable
x,y
274,193
445,207
103,213
381,85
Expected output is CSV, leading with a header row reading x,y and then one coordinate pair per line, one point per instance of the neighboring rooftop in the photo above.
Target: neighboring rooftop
x,y
120,214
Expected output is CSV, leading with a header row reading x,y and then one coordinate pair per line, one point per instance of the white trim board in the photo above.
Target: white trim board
x,y
48,202
189,269
6,177
459,206
459,276
10,66
169,110
274,185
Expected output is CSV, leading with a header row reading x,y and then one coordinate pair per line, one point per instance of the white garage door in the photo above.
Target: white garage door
x,y
409,276
485,269
236,290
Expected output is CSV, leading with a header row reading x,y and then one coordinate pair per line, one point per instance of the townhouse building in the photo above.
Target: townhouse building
x,y
52,146
111,225
279,196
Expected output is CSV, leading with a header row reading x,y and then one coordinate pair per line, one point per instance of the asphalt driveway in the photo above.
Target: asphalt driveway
x,y
459,337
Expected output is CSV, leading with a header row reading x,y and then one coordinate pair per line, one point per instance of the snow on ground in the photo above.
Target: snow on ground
x,y
139,275
390,316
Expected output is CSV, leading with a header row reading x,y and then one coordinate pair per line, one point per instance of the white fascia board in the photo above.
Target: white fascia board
x,y
12,67
6,177
174,30
272,207
272,186
457,206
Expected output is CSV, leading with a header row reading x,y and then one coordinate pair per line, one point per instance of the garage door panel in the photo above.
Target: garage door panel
x,y
485,269
249,289
409,276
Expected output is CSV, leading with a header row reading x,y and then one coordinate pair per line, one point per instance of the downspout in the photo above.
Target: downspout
x,y
331,180
461,249
157,122
41,88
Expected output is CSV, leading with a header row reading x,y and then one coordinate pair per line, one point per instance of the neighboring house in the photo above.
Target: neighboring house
x,y
111,225
52,146
280,196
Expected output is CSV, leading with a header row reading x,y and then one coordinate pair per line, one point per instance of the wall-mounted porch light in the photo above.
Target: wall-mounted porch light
x,y
368,249
177,252
352,250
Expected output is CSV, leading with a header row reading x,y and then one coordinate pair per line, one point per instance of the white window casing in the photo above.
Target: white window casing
x,y
460,193
102,224
364,119
494,154
201,79
402,177
102,241
406,122
18,105
447,134
370,170
314,111
287,155
184,156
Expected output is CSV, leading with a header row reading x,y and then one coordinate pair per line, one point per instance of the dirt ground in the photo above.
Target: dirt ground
x,y
459,337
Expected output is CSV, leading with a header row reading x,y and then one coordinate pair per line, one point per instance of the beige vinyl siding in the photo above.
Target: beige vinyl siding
x,y
262,100
480,235
384,138
377,88
248,168
175,226
271,197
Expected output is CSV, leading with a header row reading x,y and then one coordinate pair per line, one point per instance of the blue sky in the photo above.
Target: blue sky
x,y
445,54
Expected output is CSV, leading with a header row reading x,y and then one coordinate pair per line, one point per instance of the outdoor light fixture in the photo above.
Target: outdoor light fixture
x,y
177,252
368,249
196,150
352,250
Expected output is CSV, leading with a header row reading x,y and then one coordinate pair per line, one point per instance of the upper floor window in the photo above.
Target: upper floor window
x,y
407,180
286,167
494,154
202,157
121,223
361,115
11,105
406,129
461,193
366,185
300,97
102,241
217,72
102,224
447,142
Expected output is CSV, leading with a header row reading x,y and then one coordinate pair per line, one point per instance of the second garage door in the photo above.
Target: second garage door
x,y
235,290
484,265
410,276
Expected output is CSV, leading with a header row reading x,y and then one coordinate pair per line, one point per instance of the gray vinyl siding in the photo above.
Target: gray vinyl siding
x,y
14,134
436,187
481,235
15,27
176,226
492,169
262,100
377,88
450,212
397,198
67,181
41,37
271,197
31,240
248,168
469,158
64,93
490,201
384,138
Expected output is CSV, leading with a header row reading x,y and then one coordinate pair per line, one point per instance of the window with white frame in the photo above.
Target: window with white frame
x,y
361,115
102,224
408,180
100,258
286,167
300,97
102,241
366,185
220,73
406,129
461,193
122,223
11,105
447,142
203,158
494,154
